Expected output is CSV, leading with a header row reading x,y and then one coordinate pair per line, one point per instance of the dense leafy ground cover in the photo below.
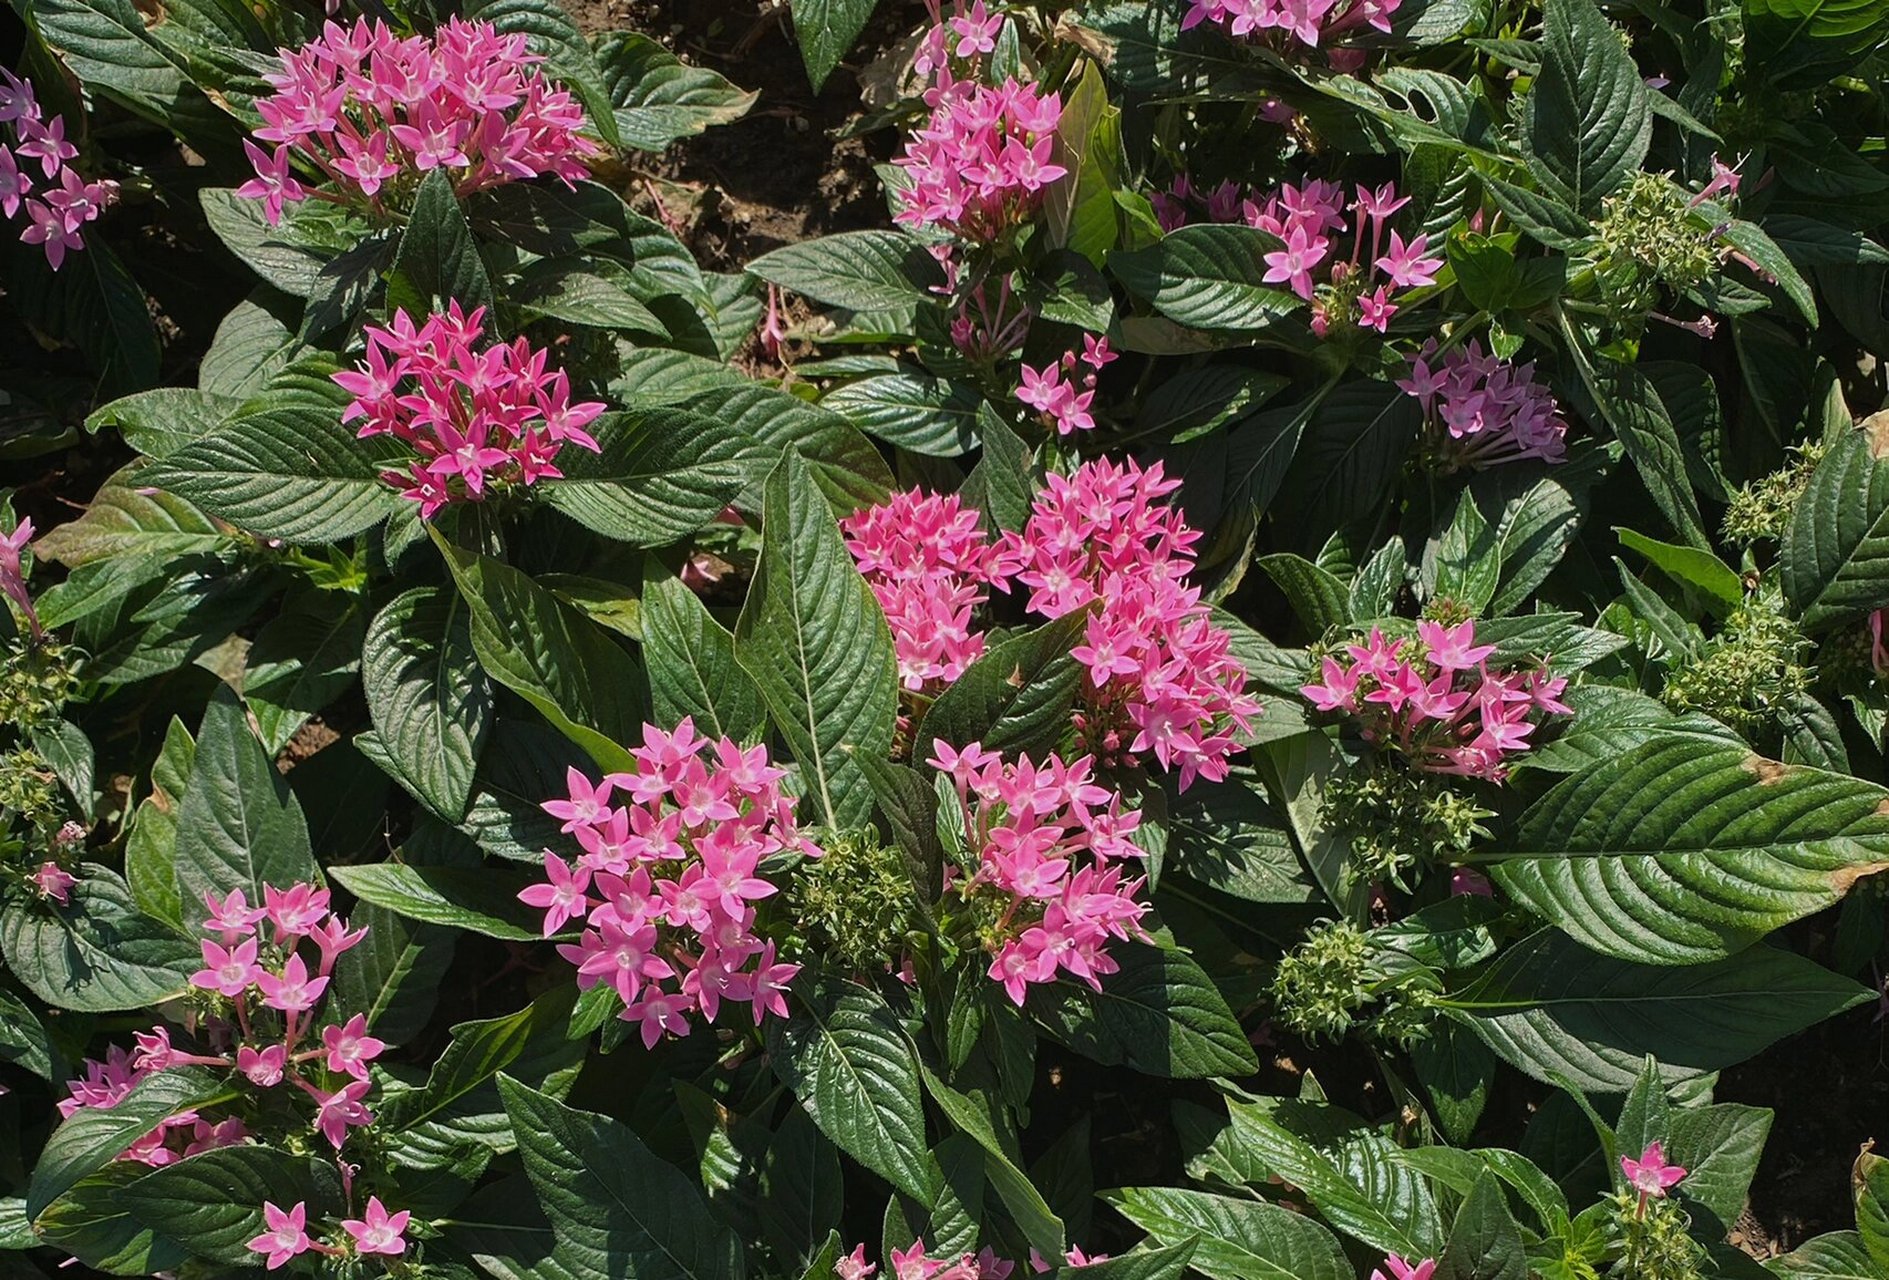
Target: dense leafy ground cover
x,y
1267,664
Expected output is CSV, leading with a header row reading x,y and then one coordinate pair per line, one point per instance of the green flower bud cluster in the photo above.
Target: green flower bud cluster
x,y
1400,821
1747,675
36,681
1320,986
1655,1240
1761,510
1649,237
855,904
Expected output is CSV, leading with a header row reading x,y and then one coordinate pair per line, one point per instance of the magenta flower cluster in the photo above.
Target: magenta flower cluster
x,y
1060,402
1436,701
374,111
480,420
978,166
1311,222
929,566
265,1029
1051,847
1161,678
666,885
1312,23
915,1262
1482,410
58,202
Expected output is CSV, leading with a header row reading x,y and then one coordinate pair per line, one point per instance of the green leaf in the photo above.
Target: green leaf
x,y
252,344
293,472
1349,1172
1631,405
1456,1070
1355,439
1544,217
98,953
1227,835
1317,597
426,695
1079,208
825,30
1682,851
438,261
1835,564
802,1188
817,646
1719,1147
125,520
92,302
92,1137
932,416
1799,44
239,827
1235,1239
858,270
301,661
845,464
551,655
1015,698
844,1055
1751,241
211,1203
1589,115
530,1043
1834,1255
1691,567
1871,1178
1207,276
481,900
692,667
392,977
1160,1014
1559,1011
661,475
658,98
160,421
616,1209
1002,484
1485,1243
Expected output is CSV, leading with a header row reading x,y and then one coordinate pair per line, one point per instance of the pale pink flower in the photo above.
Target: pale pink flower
x,y
229,970
377,1231
1650,1175
53,881
286,1235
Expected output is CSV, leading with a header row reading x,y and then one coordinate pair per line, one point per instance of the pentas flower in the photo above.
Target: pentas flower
x,y
916,1263
480,420
374,112
1436,701
667,884
53,881
1650,1175
979,165
1401,1270
105,1083
286,1235
1161,678
929,565
1480,410
377,1231
1050,849
1286,24
1060,403
13,573
1312,222
58,203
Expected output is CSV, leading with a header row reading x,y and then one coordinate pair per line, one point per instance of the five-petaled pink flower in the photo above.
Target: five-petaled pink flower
x,y
1650,1175
1401,1270
377,1231
286,1235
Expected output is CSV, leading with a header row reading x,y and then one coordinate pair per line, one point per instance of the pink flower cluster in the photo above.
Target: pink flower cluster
x,y
667,884
479,420
1066,408
64,202
1437,702
1313,23
915,1263
272,995
1162,679
979,165
105,1084
1311,222
285,1235
374,112
965,35
929,565
1482,410
1050,847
